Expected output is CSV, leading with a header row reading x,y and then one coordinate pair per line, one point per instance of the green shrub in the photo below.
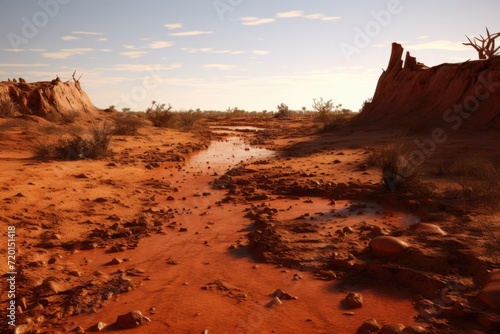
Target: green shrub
x,y
398,173
76,147
159,115
128,124
479,180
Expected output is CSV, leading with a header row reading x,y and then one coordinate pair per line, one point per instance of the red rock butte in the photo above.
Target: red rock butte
x,y
451,96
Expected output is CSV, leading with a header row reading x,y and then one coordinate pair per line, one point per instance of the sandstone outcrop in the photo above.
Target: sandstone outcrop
x,y
450,96
46,97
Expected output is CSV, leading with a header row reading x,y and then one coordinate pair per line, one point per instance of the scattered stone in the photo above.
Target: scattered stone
x,y
387,246
490,293
183,229
132,319
370,325
282,295
414,330
274,302
97,327
392,329
427,229
114,261
354,300
78,330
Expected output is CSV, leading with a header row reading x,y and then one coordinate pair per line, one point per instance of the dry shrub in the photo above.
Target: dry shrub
x,y
76,147
128,124
186,120
159,115
7,109
479,180
398,173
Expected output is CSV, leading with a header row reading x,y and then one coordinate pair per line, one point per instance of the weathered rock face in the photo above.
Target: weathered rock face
x,y
44,98
450,96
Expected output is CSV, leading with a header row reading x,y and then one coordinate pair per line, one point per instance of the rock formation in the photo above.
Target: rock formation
x,y
450,96
46,97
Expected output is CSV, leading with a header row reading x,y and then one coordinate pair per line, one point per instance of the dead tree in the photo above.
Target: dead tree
x,y
484,46
77,81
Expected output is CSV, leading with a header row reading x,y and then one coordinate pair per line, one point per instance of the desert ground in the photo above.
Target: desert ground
x,y
246,224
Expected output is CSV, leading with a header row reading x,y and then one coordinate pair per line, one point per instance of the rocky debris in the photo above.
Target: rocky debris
x,y
392,329
370,325
427,229
414,330
226,289
353,300
490,293
97,327
282,295
385,246
130,320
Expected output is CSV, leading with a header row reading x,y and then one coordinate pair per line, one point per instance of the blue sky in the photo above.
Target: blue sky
x,y
215,54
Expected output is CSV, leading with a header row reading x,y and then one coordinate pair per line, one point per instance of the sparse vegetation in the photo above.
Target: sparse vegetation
x,y
479,180
7,109
76,147
485,46
186,120
160,115
128,124
365,104
283,111
398,173
332,116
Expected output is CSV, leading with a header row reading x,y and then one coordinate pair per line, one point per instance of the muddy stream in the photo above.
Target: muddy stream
x,y
192,282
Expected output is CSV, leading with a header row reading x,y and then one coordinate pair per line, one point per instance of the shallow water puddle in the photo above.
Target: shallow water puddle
x,y
224,154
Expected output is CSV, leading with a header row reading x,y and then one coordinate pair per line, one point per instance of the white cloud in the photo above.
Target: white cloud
x,y
134,54
24,65
86,33
171,26
160,44
423,37
212,50
331,18
106,50
192,33
104,39
221,67
260,52
66,53
290,14
438,45
69,38
142,68
255,21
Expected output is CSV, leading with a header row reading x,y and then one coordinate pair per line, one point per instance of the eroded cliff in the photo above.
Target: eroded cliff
x,y
451,96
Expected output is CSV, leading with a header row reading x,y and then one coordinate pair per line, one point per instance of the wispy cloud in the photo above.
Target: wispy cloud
x,y
87,33
160,44
423,37
191,33
24,65
66,53
106,50
104,39
438,45
260,52
253,21
221,67
134,54
69,38
212,50
142,68
171,26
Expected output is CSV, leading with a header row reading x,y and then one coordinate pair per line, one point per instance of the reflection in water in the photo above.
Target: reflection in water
x,y
222,155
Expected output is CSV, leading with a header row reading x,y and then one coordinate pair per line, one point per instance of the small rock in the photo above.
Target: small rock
x,y
132,319
387,246
97,327
354,300
414,330
114,261
371,325
392,329
282,295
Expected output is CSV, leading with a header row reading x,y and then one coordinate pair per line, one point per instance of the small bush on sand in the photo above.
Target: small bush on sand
x,y
479,180
7,109
329,114
283,111
76,147
159,115
128,124
186,120
398,173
